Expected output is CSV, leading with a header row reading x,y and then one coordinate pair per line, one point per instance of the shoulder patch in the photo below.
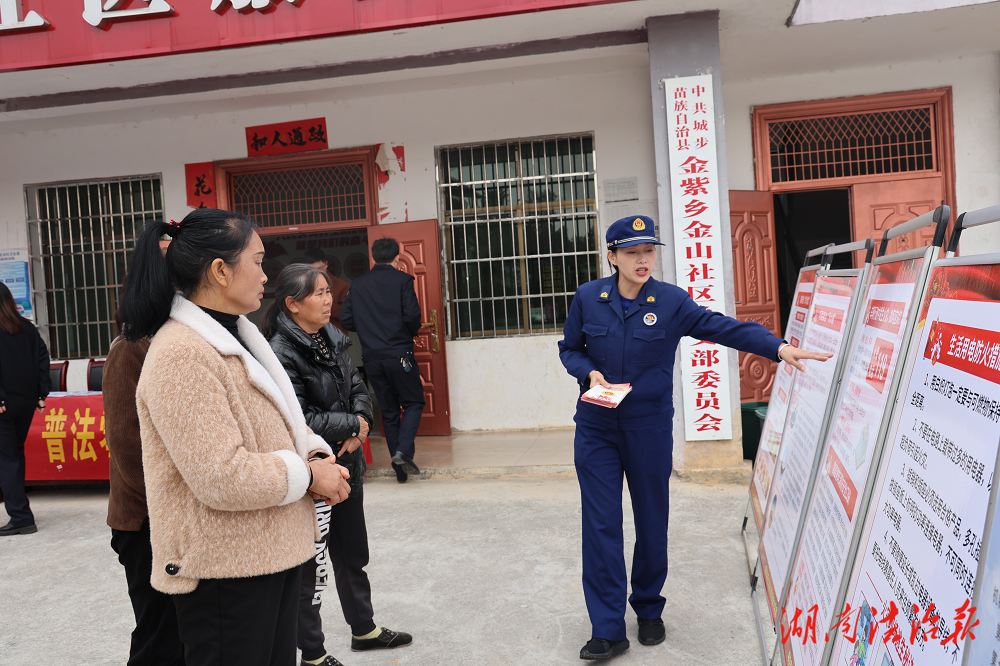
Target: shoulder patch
x,y
604,294
650,299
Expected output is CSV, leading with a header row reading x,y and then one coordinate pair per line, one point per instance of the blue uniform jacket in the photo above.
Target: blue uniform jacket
x,y
597,336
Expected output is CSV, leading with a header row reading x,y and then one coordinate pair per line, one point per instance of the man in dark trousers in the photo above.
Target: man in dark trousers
x,y
382,307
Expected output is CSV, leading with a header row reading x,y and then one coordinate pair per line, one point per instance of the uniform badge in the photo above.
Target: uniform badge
x,y
638,225
650,299
649,319
604,294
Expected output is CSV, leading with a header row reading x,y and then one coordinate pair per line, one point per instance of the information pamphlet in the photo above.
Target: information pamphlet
x,y
607,397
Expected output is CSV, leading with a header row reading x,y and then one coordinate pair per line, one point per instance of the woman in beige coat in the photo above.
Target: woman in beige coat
x,y
228,460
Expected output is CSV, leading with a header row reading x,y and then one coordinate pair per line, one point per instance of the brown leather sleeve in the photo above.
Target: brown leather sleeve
x,y
127,501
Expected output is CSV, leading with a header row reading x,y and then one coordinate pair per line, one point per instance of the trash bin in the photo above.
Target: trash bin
x,y
752,427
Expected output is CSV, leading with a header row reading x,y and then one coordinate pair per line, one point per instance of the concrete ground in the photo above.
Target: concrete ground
x,y
480,571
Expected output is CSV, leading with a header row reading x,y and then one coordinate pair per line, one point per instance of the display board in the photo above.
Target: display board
x,y
777,408
830,318
854,440
923,533
14,273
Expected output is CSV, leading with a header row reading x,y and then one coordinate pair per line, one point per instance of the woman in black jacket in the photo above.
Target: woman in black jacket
x,y
24,385
337,407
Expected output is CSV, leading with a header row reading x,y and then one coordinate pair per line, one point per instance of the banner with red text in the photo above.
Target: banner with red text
x,y
853,440
828,319
923,536
777,408
697,228
66,441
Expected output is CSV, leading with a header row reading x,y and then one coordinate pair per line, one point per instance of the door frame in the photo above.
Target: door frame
x,y
225,169
943,135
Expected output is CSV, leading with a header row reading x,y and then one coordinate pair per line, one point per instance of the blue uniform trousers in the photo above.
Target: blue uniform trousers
x,y
645,457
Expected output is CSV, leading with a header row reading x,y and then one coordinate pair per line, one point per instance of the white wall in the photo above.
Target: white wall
x,y
523,385
975,84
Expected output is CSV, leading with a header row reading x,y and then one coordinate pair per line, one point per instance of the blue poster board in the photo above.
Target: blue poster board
x,y
14,273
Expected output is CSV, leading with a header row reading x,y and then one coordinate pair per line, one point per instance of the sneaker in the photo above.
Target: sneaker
x,y
387,639
329,660
401,476
10,529
651,632
599,648
406,462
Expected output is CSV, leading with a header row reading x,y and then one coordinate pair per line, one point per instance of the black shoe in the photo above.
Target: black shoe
x,y
10,530
401,476
651,632
328,661
599,648
406,462
387,639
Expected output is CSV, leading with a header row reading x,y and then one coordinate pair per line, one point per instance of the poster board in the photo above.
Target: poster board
x,y
856,434
15,274
781,391
922,536
831,316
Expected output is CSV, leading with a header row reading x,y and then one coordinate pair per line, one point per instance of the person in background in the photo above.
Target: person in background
x,y
155,639
338,288
624,329
24,385
227,457
337,408
382,307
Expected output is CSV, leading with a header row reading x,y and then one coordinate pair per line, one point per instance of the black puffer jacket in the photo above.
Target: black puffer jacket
x,y
331,393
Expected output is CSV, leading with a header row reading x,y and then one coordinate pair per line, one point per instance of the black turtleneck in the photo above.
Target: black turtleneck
x,y
228,322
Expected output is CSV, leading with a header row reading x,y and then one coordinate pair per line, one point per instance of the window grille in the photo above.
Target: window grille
x,y
860,144
311,195
520,232
81,234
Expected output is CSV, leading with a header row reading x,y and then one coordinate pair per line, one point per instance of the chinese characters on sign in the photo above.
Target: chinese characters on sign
x,y
247,5
66,441
13,18
694,188
98,12
199,180
298,136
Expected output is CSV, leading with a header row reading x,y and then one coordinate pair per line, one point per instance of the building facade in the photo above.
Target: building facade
x,y
503,138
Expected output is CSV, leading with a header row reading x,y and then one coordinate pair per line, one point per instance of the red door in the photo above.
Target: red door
x,y
880,206
420,256
755,278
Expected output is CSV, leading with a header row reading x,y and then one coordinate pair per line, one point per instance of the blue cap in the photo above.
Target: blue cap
x,y
633,230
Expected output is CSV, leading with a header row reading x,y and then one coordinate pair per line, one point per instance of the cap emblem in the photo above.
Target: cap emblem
x,y
638,225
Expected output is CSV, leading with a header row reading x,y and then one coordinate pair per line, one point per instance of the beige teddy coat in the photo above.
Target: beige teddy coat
x,y
224,445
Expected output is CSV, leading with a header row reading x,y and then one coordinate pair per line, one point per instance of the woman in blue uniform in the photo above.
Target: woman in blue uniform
x,y
625,329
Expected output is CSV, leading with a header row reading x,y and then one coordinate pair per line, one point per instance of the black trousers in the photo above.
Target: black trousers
x,y
155,639
14,425
344,552
240,621
401,397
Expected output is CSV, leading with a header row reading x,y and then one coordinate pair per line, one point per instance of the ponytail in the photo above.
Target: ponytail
x,y
204,235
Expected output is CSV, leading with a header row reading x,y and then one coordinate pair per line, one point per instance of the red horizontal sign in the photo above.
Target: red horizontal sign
x,y
66,442
297,136
887,315
832,318
48,33
974,351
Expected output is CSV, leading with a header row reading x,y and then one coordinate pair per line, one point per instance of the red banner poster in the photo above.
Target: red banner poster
x,y
199,179
66,442
297,136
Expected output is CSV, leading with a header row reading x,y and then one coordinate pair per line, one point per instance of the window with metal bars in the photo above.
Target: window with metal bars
x,y
81,234
860,144
301,196
520,232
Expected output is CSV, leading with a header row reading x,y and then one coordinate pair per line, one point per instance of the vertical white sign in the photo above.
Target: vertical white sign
x,y
697,229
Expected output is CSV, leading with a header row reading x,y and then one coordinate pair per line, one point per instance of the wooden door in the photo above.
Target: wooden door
x,y
755,277
878,207
420,256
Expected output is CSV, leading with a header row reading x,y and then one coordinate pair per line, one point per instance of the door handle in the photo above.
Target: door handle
x,y
433,326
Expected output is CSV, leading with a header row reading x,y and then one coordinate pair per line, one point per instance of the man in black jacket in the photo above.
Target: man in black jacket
x,y
382,307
